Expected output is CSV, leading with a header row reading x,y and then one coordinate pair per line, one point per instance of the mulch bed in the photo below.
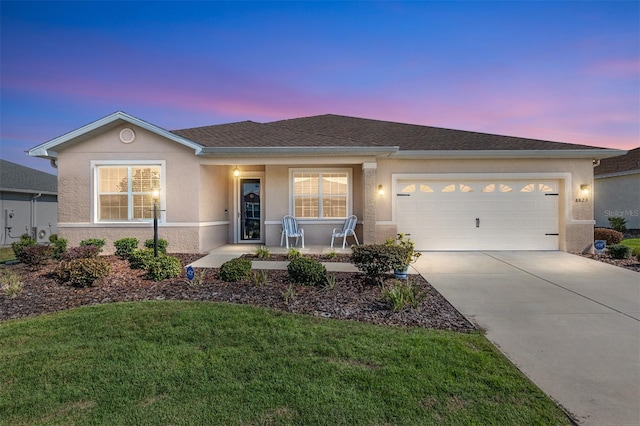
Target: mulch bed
x,y
352,298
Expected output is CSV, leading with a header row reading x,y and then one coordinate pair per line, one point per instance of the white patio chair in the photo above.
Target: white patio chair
x,y
290,230
348,229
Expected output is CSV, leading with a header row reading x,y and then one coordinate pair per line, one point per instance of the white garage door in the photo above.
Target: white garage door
x,y
479,214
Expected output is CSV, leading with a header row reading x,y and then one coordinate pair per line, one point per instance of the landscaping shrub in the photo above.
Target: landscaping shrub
x,y
10,283
402,294
610,235
97,242
162,245
618,223
58,246
619,251
237,269
140,259
263,253
36,255
18,246
293,254
82,272
125,246
375,260
307,271
162,267
82,252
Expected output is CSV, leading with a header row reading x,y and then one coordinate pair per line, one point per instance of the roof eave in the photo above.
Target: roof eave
x,y
297,150
596,154
48,149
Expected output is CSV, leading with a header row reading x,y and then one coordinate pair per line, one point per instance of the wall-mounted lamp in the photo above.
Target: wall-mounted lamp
x,y
584,188
236,172
380,190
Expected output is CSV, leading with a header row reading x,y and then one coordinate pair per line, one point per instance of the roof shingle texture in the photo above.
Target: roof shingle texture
x,y
342,131
623,163
17,178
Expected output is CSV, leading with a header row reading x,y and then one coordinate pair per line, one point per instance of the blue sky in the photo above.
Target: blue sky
x,y
566,71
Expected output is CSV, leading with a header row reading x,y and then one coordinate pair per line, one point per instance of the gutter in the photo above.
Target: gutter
x,y
594,154
298,150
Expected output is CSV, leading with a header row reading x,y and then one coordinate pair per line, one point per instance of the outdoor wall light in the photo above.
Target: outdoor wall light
x,y
584,188
236,172
380,190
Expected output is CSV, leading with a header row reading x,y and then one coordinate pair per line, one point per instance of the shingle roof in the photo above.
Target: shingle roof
x,y
17,178
415,137
249,134
623,163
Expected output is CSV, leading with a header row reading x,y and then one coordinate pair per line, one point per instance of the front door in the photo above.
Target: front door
x,y
250,211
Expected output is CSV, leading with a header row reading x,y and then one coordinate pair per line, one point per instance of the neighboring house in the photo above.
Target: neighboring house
x,y
448,189
28,203
617,189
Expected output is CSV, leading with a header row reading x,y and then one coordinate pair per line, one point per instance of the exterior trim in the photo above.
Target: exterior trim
x,y
49,149
616,174
484,154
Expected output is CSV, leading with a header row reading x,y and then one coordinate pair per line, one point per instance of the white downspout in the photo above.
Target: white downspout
x,y
34,217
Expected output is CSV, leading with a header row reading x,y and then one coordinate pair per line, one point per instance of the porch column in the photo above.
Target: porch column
x,y
370,196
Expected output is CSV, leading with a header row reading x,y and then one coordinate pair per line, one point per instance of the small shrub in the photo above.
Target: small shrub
x,y
82,252
331,282
618,223
293,254
82,272
402,294
237,269
331,255
307,271
262,253
289,294
609,235
162,267
140,259
162,245
18,246
259,278
59,246
36,255
620,251
125,246
198,278
375,260
10,283
97,242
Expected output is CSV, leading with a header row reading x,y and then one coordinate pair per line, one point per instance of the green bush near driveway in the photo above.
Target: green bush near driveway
x,y
177,362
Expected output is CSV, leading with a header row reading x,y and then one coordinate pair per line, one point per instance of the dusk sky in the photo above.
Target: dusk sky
x,y
567,71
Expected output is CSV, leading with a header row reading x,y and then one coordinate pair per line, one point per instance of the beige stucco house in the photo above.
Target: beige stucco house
x,y
448,189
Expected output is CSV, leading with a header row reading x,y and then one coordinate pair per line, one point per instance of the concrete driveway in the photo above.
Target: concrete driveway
x,y
571,324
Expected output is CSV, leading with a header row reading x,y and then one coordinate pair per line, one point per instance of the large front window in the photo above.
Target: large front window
x,y
321,194
125,192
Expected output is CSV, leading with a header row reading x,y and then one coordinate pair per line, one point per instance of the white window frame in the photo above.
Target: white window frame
x,y
321,171
97,164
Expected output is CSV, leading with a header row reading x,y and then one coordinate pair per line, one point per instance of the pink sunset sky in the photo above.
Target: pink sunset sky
x,y
564,71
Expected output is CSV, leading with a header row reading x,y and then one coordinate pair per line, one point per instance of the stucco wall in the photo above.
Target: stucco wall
x,y
618,196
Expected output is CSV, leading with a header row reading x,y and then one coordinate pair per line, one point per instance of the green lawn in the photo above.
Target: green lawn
x,y
6,253
205,363
634,243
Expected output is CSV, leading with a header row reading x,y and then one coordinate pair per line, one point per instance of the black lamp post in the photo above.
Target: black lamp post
x,y
156,197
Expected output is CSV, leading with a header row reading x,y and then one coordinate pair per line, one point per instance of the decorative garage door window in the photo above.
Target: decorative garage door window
x,y
321,194
546,187
124,192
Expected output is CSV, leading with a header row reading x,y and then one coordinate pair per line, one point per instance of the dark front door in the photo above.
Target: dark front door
x,y
250,209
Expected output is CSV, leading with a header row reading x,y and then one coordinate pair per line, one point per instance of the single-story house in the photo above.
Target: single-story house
x,y
28,203
447,189
616,189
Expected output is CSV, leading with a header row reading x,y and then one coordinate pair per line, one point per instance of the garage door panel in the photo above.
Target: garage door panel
x,y
513,215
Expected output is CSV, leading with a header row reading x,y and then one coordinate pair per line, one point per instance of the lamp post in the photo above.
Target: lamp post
x,y
156,197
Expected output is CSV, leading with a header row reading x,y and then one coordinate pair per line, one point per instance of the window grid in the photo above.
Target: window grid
x,y
320,195
125,192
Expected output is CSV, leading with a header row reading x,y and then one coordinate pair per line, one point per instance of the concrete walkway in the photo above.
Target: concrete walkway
x,y
571,324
